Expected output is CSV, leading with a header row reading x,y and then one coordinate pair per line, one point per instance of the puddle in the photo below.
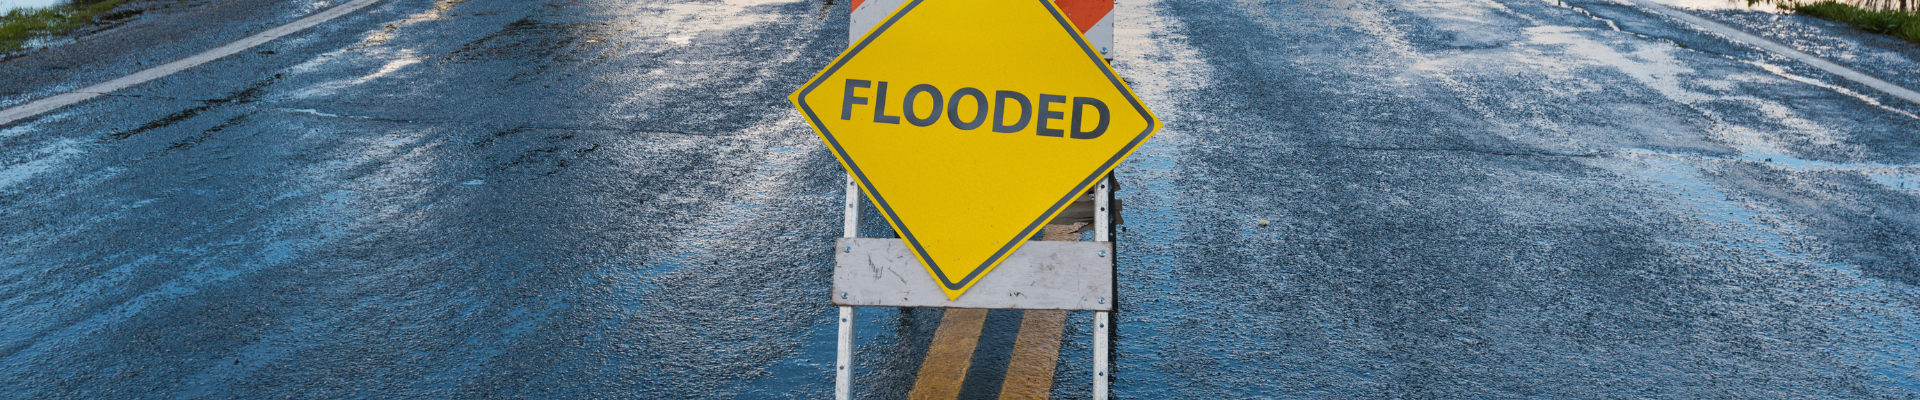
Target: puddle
x,y
1906,182
810,368
1873,329
22,129
1782,72
386,32
46,158
1162,68
694,19
8,5
1655,67
1683,178
1652,66
1720,5
746,202
400,59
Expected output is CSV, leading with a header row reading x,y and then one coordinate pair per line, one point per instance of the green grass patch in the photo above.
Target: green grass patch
x,y
1902,24
20,25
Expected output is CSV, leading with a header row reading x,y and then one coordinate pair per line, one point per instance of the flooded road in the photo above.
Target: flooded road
x,y
610,199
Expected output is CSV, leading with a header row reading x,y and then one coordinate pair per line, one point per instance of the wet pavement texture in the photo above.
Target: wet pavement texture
x,y
1886,57
147,33
610,199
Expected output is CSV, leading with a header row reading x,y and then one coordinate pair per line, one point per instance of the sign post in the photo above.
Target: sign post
x,y
843,362
1103,226
971,124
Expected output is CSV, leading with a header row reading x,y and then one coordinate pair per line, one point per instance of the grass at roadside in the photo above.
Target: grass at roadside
x,y
1902,24
20,25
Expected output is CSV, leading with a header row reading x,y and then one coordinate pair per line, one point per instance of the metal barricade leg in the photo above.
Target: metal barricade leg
x,y
1100,355
843,370
843,362
1103,225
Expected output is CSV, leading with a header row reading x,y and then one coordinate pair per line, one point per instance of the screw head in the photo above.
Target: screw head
x,y
1103,253
849,249
843,295
1103,300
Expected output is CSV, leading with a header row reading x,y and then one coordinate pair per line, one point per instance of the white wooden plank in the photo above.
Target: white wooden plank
x,y
882,272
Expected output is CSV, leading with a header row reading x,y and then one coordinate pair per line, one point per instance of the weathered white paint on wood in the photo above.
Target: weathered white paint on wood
x,y
882,272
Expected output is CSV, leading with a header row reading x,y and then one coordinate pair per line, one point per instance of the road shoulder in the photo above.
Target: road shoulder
x,y
142,42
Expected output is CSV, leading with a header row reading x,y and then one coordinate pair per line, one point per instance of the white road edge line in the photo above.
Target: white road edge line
x,y
37,107
1769,45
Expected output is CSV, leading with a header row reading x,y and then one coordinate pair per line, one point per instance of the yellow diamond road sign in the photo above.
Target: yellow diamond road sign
x,y
971,123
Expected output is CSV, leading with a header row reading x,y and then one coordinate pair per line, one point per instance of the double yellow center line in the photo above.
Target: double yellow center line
x,y
1035,352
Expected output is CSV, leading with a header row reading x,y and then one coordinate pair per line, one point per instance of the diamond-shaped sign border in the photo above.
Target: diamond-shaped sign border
x,y
1019,239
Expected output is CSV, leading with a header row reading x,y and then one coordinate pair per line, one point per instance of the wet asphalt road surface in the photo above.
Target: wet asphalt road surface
x,y
612,199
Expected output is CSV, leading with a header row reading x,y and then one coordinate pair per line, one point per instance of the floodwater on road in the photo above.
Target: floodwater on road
x,y
7,5
1760,6
613,199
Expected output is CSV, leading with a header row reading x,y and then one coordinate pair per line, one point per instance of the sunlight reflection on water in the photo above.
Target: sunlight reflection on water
x,y
12,4
1720,5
